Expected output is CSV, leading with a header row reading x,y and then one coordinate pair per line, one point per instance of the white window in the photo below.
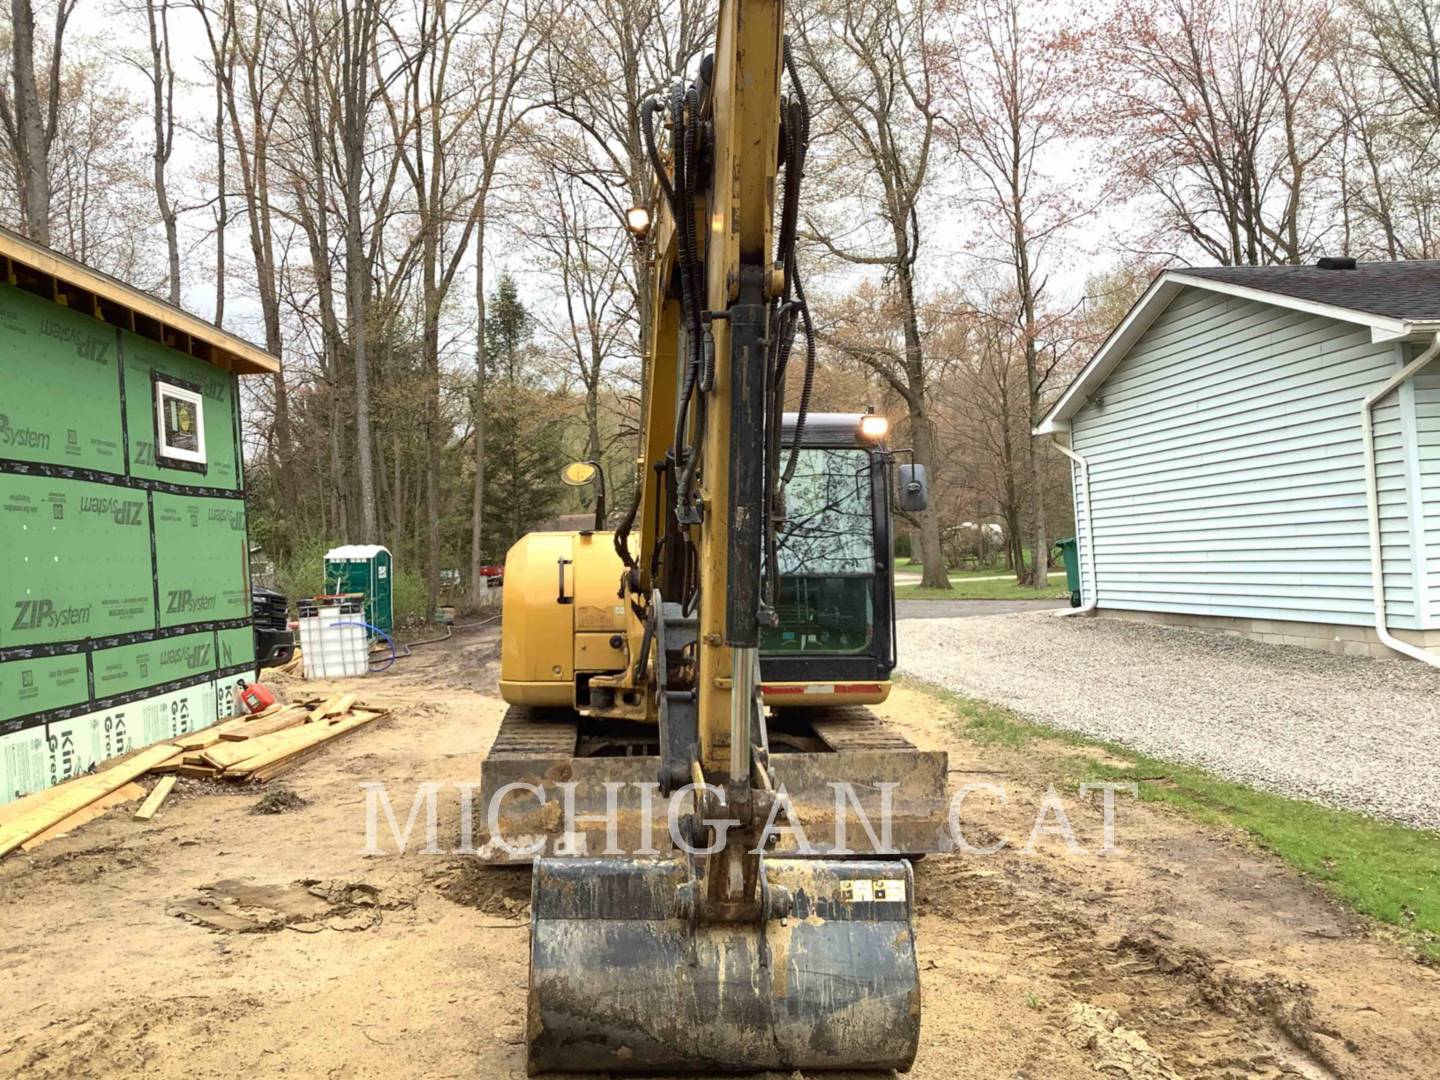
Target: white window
x,y
179,423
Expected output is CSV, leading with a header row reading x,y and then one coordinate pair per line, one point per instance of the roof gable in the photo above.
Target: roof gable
x,y
1392,299
40,270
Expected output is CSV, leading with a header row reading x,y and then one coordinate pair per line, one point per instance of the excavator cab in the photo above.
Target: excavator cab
x,y
833,638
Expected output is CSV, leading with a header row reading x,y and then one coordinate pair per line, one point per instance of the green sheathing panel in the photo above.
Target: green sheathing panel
x,y
201,557
59,390
234,647
143,358
40,684
77,561
134,667
171,715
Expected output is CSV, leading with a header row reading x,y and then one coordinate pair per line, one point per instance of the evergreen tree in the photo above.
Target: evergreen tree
x,y
523,432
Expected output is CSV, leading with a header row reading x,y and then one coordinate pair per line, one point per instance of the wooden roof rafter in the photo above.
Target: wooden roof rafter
x,y
38,269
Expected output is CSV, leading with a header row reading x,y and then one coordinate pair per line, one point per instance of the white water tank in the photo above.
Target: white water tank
x,y
334,643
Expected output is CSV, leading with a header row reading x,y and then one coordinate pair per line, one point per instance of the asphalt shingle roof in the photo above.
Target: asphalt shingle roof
x,y
1397,290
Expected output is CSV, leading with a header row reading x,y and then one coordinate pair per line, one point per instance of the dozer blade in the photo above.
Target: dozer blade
x,y
619,983
866,758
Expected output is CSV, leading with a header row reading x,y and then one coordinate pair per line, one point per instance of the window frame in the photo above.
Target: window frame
x,y
168,387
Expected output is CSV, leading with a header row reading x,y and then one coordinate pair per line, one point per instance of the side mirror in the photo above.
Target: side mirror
x,y
914,489
579,474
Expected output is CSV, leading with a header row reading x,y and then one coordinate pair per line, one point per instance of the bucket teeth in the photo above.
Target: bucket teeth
x,y
618,983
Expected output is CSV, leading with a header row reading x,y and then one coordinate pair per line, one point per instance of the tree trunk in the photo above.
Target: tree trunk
x,y
1039,576
162,78
222,204
31,145
359,23
478,584
933,574
433,433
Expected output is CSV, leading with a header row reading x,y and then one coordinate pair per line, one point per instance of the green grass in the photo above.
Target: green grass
x,y
1380,869
957,575
983,590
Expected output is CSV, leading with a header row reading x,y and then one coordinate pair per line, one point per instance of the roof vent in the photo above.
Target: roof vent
x,y
1336,263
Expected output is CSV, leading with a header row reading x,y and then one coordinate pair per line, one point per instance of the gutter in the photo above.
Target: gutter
x,y
1372,503
1094,602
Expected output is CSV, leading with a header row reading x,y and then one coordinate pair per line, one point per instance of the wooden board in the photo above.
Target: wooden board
x,y
302,739
198,740
339,705
129,793
268,725
223,755
155,798
62,801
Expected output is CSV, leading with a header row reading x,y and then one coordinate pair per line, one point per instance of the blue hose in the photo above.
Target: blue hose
x,y
375,630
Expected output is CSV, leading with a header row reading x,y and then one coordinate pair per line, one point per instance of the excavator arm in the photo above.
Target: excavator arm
x,y
716,957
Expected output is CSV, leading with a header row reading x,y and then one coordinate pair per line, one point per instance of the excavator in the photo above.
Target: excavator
x,y
719,830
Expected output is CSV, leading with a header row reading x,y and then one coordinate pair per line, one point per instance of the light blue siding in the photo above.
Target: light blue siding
x,y
1427,469
1227,474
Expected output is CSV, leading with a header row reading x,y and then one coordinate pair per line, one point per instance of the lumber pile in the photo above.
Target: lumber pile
x,y
263,746
250,749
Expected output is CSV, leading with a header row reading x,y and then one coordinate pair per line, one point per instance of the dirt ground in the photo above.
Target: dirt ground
x,y
214,940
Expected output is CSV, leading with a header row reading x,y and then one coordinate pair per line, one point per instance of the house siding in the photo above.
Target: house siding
x,y
1227,474
1427,471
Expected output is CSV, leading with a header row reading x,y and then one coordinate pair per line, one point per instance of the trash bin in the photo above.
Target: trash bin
x,y
1070,556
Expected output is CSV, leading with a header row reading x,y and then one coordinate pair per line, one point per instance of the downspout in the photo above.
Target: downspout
x,y
1372,504
1094,601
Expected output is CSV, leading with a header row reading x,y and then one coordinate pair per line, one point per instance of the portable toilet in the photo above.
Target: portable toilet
x,y
363,569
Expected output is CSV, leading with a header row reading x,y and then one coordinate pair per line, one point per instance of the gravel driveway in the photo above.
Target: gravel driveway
x,y
1347,731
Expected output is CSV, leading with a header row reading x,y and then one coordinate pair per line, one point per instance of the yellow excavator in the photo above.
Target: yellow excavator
x,y
718,827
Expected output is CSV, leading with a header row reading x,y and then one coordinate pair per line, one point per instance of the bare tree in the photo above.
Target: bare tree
x,y
465,65
602,63
871,63
507,50
587,252
1402,38
160,73
31,119
251,79
1013,96
1218,118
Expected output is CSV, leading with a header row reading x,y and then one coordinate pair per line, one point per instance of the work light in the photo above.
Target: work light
x,y
637,220
874,427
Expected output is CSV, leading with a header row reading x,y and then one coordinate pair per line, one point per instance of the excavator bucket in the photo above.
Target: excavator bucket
x,y
621,981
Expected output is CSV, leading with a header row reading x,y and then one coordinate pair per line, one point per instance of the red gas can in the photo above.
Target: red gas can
x,y
255,698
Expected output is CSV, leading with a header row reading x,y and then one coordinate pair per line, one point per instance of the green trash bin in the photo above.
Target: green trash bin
x,y
1070,556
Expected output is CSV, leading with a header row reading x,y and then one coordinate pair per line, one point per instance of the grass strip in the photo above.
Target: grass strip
x,y
1382,869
